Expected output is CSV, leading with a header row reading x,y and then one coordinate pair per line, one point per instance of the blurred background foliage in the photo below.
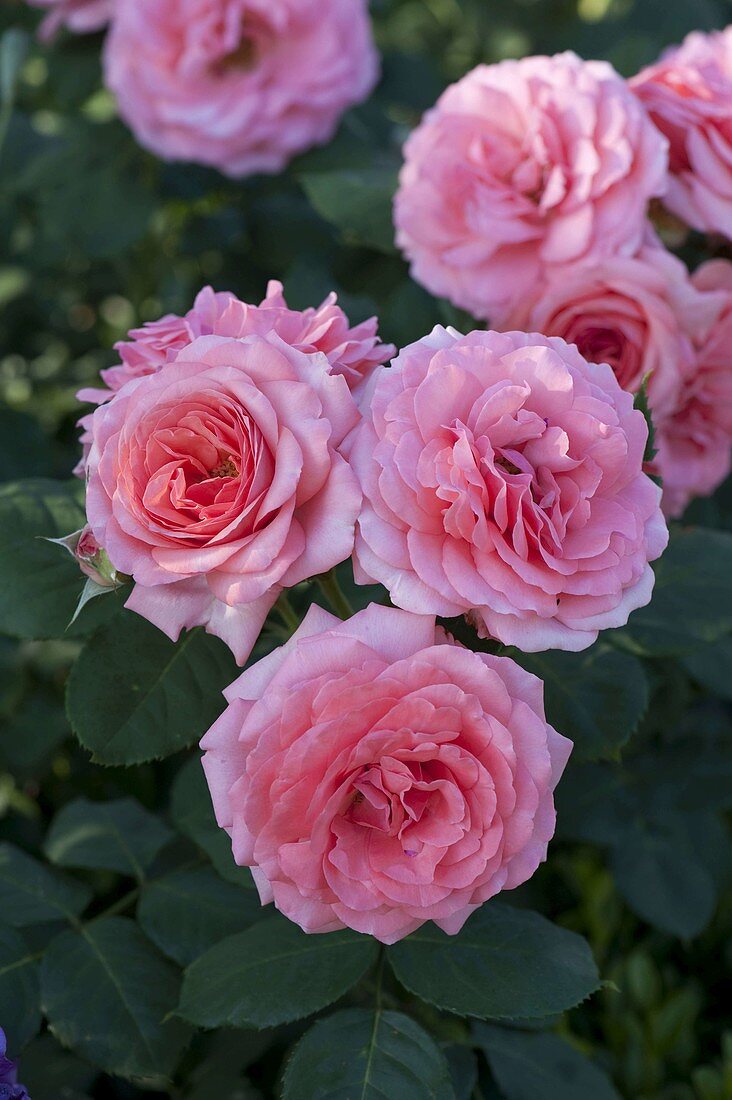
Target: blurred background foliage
x,y
96,237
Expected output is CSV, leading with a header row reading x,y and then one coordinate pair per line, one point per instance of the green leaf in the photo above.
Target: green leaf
x,y
357,201
463,1065
29,739
711,666
192,812
24,449
506,963
529,1064
369,1055
30,893
19,990
52,1073
109,996
133,695
692,598
272,973
221,1073
41,583
663,876
13,52
187,912
596,698
118,836
640,402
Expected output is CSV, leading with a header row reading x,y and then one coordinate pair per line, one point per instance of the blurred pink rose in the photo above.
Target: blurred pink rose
x,y
217,482
352,352
80,16
502,477
374,776
695,442
688,94
635,313
519,168
242,85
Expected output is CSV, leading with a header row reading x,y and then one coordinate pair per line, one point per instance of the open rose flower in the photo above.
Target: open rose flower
x,y
217,482
637,313
695,442
350,351
80,16
242,85
522,167
375,776
502,477
688,95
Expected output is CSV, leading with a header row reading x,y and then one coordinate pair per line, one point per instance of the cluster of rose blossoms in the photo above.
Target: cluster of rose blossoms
x,y
374,773
524,199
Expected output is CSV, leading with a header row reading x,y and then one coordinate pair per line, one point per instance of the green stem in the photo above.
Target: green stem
x,y
380,978
287,612
333,593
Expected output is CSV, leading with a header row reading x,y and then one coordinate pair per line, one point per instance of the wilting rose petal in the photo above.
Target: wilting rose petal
x,y
521,168
217,482
502,478
375,775
242,85
688,93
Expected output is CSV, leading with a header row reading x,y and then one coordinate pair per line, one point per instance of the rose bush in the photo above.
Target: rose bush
x,y
383,873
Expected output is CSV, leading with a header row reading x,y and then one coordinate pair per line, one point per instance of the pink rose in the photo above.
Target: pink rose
x,y
80,16
217,482
695,442
502,477
688,95
242,85
636,313
352,352
374,776
522,167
